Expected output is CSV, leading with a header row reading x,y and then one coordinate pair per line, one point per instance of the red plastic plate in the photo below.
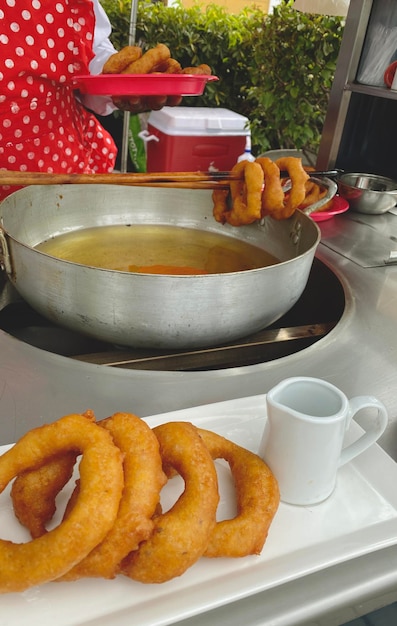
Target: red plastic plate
x,y
339,205
143,84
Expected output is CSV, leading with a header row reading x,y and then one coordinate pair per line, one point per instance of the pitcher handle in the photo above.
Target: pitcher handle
x,y
369,436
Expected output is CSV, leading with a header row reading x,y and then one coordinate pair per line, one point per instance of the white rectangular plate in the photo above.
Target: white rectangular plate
x,y
359,518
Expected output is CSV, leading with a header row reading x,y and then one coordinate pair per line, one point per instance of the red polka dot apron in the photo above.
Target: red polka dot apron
x,y
43,127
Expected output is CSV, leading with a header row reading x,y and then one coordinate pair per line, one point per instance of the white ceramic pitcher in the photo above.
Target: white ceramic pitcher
x,y
303,439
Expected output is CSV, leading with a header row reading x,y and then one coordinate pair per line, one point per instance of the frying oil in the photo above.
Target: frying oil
x,y
160,249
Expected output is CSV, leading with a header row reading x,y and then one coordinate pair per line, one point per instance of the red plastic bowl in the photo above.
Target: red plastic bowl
x,y
339,205
143,84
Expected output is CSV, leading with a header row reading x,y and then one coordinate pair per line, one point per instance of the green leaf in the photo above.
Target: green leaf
x,y
275,69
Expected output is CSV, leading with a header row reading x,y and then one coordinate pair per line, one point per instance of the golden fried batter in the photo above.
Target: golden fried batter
x,y
201,70
149,61
143,480
246,194
34,492
170,66
273,194
314,193
41,560
298,178
117,63
181,534
219,198
257,497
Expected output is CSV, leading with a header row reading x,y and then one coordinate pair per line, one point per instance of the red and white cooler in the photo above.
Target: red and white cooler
x,y
189,139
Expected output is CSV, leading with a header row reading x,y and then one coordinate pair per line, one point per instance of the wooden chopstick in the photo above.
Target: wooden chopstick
x,y
191,180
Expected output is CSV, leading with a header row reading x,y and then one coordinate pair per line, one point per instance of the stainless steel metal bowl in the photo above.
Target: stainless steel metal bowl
x,y
368,193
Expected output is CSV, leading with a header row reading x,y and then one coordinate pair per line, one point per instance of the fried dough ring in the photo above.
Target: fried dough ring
x,y
201,70
314,193
143,480
149,61
170,66
220,208
298,178
118,61
52,555
246,194
257,500
180,535
273,194
33,493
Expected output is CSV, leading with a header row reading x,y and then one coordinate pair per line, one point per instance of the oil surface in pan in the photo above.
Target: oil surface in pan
x,y
156,249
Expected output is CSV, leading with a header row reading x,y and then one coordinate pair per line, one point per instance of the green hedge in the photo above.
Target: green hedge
x,y
276,69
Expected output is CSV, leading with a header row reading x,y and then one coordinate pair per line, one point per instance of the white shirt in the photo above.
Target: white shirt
x,y
103,49
102,46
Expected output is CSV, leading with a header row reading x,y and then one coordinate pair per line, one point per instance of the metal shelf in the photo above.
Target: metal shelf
x,y
348,98
377,92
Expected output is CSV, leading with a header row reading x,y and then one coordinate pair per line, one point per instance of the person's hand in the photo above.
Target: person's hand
x,y
141,104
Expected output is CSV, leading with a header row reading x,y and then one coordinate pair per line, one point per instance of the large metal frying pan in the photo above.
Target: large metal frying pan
x,y
133,309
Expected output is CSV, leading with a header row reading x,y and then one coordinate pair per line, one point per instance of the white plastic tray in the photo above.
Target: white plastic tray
x,y
359,518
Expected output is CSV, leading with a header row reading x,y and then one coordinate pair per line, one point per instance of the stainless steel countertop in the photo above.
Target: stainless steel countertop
x,y
359,355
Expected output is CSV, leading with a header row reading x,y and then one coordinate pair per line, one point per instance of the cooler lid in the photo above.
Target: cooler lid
x,y
199,121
